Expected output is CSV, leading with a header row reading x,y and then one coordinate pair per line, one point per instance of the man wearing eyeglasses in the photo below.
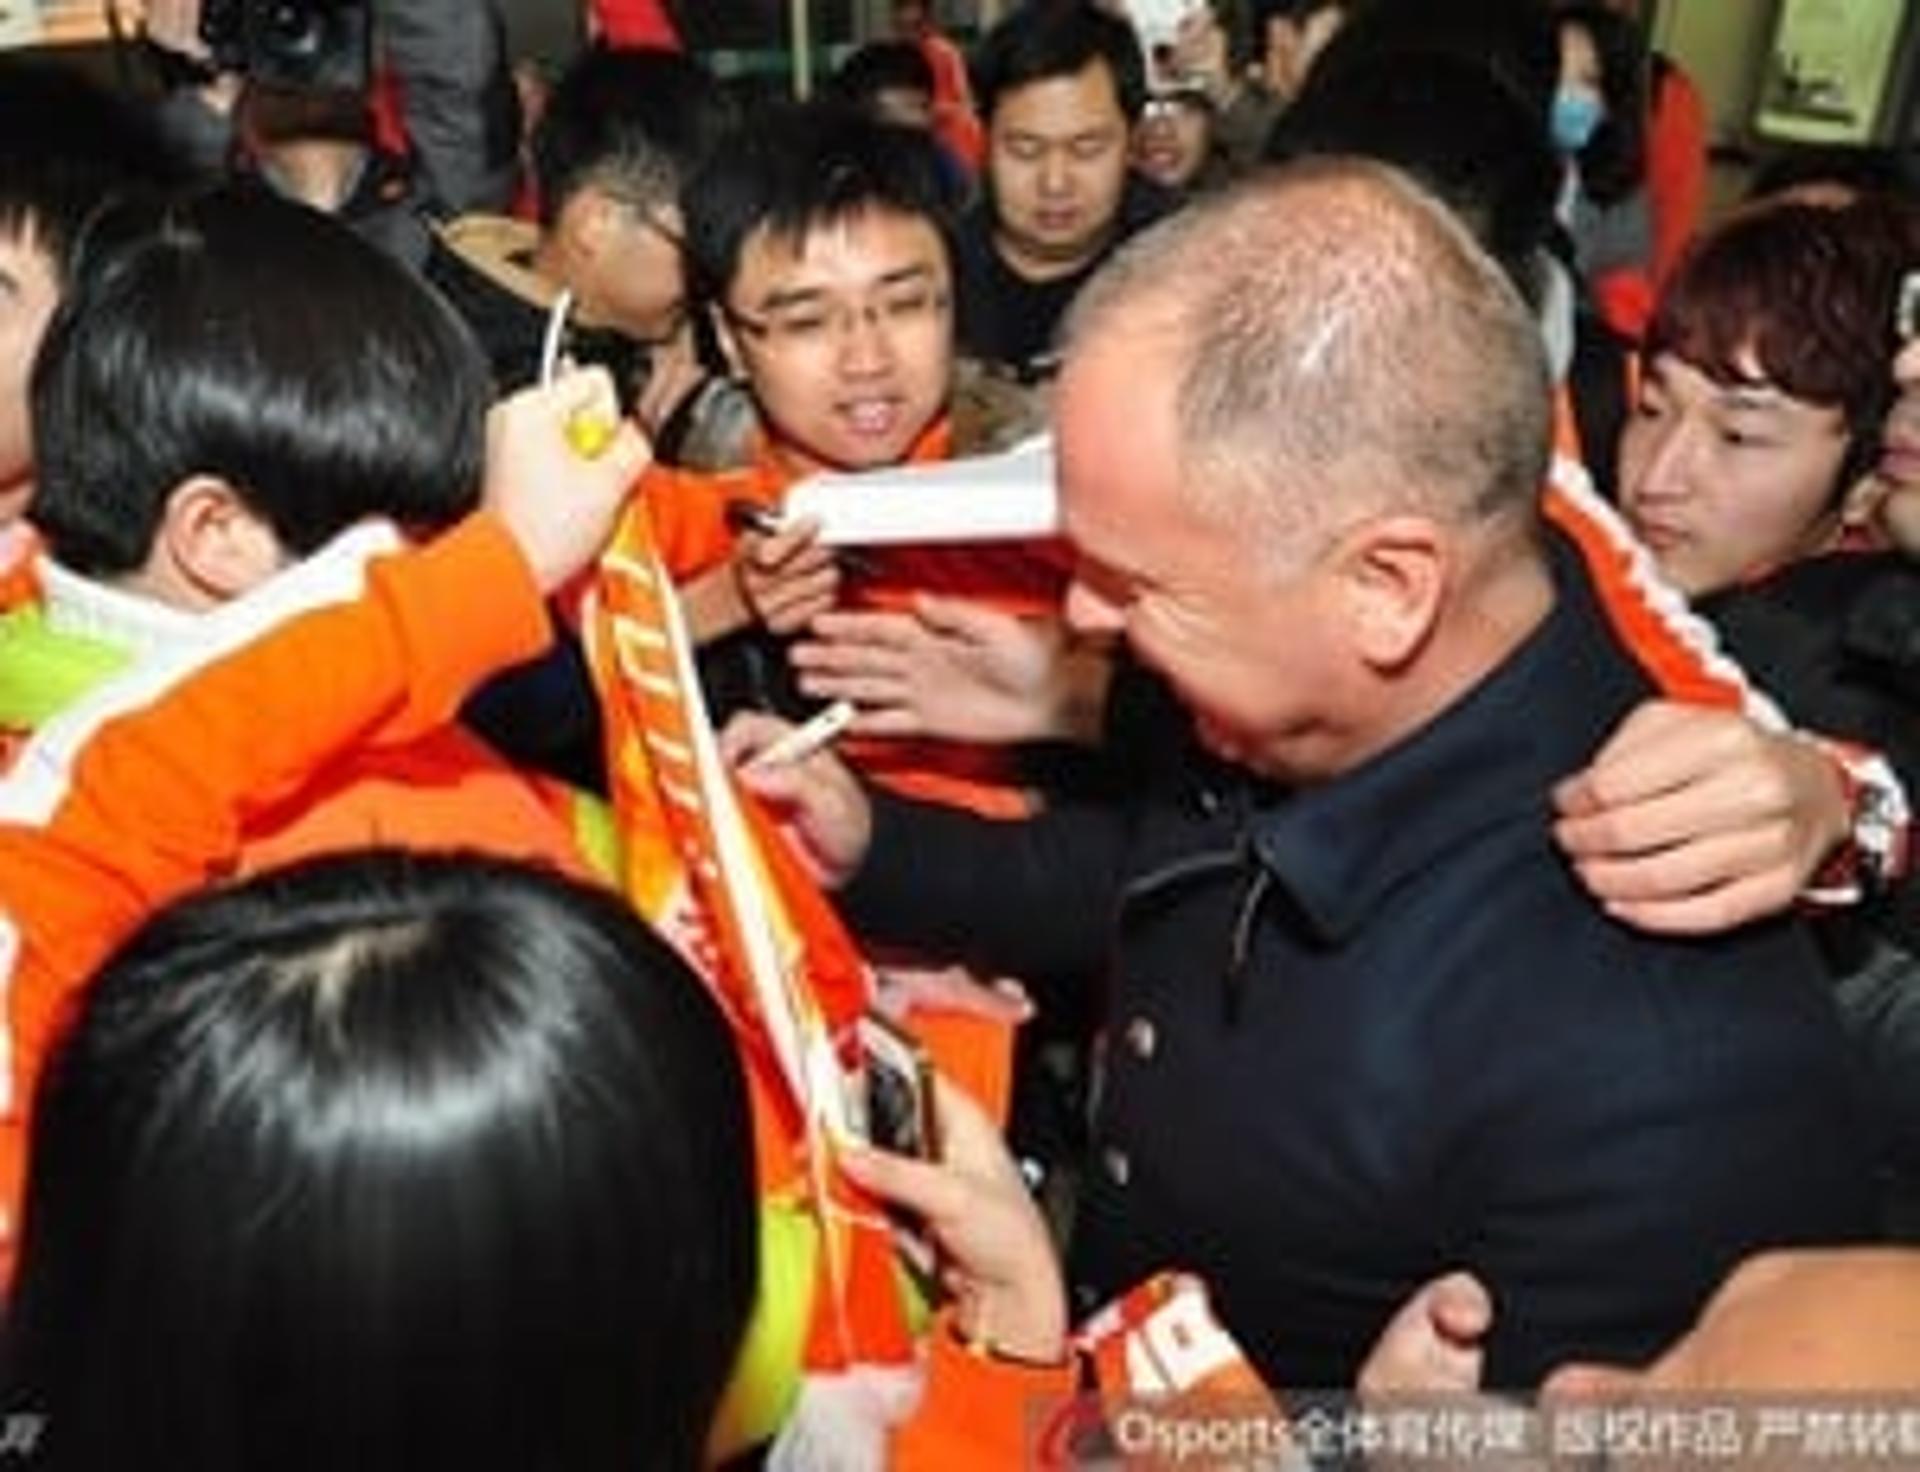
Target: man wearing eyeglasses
x,y
620,133
818,244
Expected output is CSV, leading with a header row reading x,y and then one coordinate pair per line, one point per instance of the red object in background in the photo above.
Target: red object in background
x,y
1676,164
954,120
634,23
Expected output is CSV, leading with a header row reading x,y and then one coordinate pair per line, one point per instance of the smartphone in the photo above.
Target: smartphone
x,y
744,515
898,1092
1157,24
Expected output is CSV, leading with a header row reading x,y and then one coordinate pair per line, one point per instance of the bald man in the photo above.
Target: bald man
x,y
1362,1023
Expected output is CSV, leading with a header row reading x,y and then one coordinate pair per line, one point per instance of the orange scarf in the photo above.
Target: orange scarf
x,y
705,867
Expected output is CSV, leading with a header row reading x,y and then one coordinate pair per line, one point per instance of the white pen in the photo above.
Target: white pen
x,y
808,737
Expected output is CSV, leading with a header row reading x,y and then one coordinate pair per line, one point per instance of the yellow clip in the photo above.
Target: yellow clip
x,y
590,432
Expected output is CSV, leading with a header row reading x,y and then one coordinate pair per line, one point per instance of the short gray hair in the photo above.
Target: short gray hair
x,y
1338,330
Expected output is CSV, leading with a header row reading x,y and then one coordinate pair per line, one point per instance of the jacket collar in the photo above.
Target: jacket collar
x,y
1342,849
83,608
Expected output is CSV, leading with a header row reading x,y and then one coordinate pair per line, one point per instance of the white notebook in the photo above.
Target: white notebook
x,y
991,498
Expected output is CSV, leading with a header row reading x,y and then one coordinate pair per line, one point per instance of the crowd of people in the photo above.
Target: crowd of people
x,y
1406,890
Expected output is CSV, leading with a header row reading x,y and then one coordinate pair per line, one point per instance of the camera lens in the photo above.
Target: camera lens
x,y
292,32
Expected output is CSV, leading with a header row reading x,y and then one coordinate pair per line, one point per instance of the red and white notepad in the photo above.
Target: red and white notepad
x,y
1011,496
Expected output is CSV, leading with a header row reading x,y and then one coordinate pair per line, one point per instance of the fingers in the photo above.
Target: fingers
x,y
853,633
1731,801
954,989
1461,1307
790,603
927,1189
1662,745
558,495
748,734
787,577
972,623
969,1139
1715,910
1433,1342
1602,1383
1694,868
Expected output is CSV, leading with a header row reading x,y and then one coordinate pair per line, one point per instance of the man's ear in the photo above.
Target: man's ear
x,y
729,340
586,223
1393,575
211,546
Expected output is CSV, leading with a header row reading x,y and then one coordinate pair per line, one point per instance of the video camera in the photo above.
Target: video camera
x,y
299,43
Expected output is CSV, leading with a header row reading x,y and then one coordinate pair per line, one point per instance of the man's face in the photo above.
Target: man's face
x,y
1249,651
29,291
1056,166
1171,140
846,341
1723,483
636,282
1900,442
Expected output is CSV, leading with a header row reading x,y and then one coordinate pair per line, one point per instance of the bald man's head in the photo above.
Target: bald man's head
x,y
1341,349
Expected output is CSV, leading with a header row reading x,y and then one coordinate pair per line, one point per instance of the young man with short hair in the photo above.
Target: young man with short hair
x,y
618,137
819,243
1062,84
234,392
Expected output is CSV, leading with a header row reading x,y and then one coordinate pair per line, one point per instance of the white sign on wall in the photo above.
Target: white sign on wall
x,y
1828,70
19,23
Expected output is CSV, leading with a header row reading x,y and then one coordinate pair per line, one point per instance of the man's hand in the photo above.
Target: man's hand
x,y
999,1261
558,502
1434,1343
1201,55
949,668
905,990
674,372
1844,1319
822,805
786,578
1693,821
172,25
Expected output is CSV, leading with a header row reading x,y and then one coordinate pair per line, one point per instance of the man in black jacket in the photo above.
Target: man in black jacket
x,y
1363,1024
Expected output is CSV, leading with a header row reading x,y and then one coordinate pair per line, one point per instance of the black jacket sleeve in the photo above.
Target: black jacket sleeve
x,y
1033,899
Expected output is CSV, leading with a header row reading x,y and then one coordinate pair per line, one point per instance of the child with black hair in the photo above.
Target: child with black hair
x,y
66,148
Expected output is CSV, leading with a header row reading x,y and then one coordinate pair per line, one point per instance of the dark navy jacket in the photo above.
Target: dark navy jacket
x,y
1360,1034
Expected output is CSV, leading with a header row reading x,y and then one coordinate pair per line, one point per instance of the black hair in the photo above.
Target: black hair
x,y
66,147
1614,162
882,66
1045,39
634,122
1856,168
797,168
1514,40
387,1161
1443,119
237,335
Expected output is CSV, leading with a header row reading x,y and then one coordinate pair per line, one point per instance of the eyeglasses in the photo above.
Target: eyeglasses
x,y
808,326
1906,311
646,214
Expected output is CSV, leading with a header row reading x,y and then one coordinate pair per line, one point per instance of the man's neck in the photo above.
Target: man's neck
x,y
1495,610
550,263
321,172
1040,269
